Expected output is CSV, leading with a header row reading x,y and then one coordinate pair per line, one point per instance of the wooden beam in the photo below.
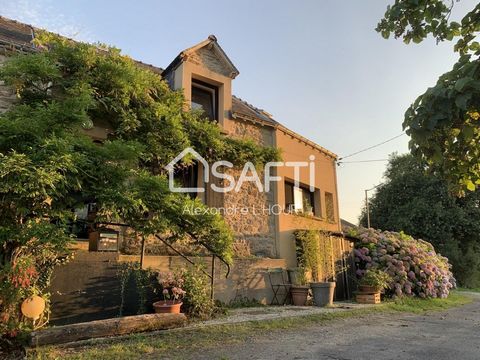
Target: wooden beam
x,y
104,328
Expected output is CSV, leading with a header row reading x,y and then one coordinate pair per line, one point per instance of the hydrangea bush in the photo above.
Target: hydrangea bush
x,y
414,266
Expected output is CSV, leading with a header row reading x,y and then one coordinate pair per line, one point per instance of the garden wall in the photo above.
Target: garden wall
x,y
88,288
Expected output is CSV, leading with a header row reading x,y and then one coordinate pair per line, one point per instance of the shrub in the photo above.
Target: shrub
x,y
314,252
138,288
27,271
197,301
414,266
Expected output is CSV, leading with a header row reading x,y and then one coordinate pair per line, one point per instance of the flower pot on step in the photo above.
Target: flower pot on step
x,y
167,307
323,293
299,294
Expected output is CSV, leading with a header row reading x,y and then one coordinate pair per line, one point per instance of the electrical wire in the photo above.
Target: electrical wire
x,y
360,161
372,147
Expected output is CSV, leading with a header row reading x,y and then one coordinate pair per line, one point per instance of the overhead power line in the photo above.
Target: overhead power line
x,y
360,161
372,147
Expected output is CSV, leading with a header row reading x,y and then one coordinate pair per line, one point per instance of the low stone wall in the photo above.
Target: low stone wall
x,y
88,287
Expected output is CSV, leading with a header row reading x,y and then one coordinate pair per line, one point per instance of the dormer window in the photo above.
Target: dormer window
x,y
205,97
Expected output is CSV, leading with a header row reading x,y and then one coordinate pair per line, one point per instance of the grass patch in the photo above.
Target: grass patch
x,y
418,306
176,343
476,290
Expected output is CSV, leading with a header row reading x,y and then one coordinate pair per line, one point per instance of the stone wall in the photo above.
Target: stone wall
x,y
249,216
207,58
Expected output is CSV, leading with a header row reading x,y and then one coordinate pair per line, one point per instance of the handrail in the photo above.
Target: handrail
x,y
180,254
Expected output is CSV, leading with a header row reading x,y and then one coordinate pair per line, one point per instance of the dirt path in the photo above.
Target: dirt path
x,y
453,334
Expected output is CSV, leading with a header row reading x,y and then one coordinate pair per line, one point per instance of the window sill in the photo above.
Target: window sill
x,y
311,217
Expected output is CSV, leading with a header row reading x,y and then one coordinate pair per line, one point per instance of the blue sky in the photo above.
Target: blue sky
x,y
317,66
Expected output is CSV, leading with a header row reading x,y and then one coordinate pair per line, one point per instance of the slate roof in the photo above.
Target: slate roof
x,y
346,225
242,107
16,35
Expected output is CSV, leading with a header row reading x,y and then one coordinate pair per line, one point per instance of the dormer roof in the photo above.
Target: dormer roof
x,y
217,59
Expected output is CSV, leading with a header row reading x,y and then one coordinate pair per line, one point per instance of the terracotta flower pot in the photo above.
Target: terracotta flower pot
x,y
299,295
167,307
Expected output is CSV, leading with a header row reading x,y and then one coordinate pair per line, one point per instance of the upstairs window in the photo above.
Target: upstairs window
x,y
300,199
205,97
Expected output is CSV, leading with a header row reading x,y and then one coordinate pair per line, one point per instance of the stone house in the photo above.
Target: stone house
x,y
206,75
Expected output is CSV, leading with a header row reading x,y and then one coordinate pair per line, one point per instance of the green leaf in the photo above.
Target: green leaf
x,y
461,100
462,83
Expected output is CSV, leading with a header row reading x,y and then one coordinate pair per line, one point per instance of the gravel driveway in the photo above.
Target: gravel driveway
x,y
453,334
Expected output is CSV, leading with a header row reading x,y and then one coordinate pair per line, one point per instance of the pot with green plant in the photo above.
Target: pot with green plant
x,y
374,281
315,254
299,289
172,294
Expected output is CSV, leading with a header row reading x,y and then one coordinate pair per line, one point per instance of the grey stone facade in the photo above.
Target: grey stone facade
x,y
256,225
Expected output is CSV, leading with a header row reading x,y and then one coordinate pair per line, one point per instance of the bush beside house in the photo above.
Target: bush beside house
x,y
414,266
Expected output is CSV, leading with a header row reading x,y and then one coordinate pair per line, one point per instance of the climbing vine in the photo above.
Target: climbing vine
x,y
49,165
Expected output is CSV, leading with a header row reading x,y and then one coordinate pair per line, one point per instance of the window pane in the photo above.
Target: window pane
x,y
298,198
204,99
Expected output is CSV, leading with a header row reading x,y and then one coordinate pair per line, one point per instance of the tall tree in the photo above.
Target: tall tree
x,y
444,122
420,204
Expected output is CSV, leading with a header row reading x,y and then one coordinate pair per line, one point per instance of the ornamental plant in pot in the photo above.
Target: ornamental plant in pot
x,y
374,281
299,288
315,254
172,294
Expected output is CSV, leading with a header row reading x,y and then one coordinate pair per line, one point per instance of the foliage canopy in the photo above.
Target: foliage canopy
x,y
443,122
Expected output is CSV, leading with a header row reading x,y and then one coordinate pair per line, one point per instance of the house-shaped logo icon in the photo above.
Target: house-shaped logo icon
x,y
171,171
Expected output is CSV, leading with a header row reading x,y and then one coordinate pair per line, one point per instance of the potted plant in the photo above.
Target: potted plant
x,y
299,288
172,294
314,253
374,281
326,270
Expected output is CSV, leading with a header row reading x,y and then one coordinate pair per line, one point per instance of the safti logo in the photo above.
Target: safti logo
x,y
249,174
